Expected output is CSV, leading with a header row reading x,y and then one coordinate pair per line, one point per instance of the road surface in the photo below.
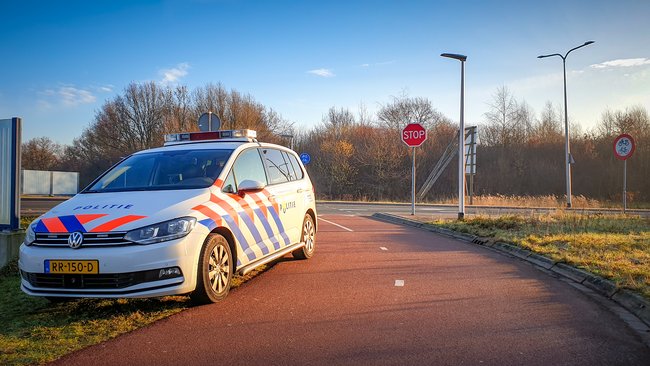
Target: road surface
x,y
383,294
34,206
450,211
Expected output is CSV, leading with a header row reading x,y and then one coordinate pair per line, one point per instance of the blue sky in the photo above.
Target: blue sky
x,y
63,59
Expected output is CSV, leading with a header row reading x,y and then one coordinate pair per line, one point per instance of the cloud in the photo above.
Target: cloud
x,y
72,96
326,73
68,96
383,63
173,75
625,62
106,88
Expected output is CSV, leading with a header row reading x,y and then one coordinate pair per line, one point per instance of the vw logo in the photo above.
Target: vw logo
x,y
75,239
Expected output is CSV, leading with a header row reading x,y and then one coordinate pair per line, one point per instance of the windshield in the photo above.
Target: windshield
x,y
182,169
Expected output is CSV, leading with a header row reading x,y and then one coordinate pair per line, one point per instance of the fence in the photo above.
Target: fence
x,y
48,183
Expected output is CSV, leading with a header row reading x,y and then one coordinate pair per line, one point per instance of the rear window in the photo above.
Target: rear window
x,y
279,169
178,169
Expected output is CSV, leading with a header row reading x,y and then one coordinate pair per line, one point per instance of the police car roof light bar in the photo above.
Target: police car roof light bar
x,y
211,135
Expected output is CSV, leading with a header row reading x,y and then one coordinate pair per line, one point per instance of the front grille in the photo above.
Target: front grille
x,y
90,239
90,281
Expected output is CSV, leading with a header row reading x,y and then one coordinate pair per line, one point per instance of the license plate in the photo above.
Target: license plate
x,y
72,266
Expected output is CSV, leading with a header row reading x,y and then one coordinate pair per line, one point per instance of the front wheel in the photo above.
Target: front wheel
x,y
308,237
214,275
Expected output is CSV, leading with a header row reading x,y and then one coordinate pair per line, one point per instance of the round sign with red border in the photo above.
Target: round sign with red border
x,y
414,134
624,146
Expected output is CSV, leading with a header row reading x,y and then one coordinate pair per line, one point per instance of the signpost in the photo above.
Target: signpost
x,y
623,149
209,122
471,138
413,135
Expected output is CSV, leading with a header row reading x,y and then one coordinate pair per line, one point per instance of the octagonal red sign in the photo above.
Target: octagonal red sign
x,y
414,134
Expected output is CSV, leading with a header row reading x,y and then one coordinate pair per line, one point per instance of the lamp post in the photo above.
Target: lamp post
x,y
567,149
290,137
461,135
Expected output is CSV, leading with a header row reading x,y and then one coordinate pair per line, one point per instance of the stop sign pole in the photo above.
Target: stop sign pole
x,y
413,135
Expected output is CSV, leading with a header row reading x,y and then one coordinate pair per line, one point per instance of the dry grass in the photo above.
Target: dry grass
x,y
616,247
546,201
532,201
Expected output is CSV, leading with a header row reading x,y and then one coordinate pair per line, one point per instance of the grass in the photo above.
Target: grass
x,y
550,200
35,331
616,247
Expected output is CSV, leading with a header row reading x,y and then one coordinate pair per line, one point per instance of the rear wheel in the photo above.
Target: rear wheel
x,y
214,275
308,237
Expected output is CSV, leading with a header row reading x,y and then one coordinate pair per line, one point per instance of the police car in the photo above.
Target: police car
x,y
179,219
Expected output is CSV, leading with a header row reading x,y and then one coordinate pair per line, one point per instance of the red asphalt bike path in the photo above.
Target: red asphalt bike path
x,y
459,304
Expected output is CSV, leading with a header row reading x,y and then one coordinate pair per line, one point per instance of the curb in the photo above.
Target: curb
x,y
631,301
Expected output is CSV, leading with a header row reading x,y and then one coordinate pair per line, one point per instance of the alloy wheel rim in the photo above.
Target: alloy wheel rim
x,y
219,269
308,234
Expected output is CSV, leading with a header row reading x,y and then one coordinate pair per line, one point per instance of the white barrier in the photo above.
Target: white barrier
x,y
49,183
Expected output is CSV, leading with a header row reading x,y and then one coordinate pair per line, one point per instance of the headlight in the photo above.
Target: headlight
x,y
168,230
30,235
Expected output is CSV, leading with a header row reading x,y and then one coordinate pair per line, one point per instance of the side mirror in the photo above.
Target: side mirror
x,y
250,186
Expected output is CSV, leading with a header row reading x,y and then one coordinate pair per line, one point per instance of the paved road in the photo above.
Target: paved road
x,y
458,304
33,206
438,211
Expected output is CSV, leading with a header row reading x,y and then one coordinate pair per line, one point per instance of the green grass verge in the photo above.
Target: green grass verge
x,y
614,247
34,331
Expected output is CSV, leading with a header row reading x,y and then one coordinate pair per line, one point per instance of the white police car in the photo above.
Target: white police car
x,y
180,219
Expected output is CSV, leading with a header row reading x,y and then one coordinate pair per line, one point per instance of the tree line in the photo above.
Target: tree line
x,y
359,155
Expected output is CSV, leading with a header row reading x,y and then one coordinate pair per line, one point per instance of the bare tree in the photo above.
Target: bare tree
x,y
338,121
501,119
40,153
404,110
549,127
634,120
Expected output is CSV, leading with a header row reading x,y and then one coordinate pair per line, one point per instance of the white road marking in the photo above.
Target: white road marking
x,y
383,248
399,283
335,224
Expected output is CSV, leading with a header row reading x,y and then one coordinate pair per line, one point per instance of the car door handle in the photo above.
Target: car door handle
x,y
300,190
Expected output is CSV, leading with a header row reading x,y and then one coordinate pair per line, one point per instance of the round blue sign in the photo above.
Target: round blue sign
x,y
305,158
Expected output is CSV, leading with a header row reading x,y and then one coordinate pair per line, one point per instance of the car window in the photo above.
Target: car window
x,y
290,169
296,166
229,185
174,169
247,166
279,170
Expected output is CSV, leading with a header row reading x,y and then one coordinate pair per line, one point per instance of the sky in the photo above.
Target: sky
x,y
63,59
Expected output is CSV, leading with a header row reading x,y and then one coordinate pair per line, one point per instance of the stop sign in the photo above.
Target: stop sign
x,y
414,134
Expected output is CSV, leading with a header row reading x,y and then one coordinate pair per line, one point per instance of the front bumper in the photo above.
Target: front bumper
x,y
124,271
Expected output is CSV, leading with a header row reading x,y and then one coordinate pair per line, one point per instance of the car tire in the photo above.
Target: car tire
x,y
308,237
215,271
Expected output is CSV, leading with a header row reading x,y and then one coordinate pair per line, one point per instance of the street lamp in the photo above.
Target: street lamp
x,y
290,137
567,150
461,135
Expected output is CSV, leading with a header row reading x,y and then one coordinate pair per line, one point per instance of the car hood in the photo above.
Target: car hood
x,y
119,211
